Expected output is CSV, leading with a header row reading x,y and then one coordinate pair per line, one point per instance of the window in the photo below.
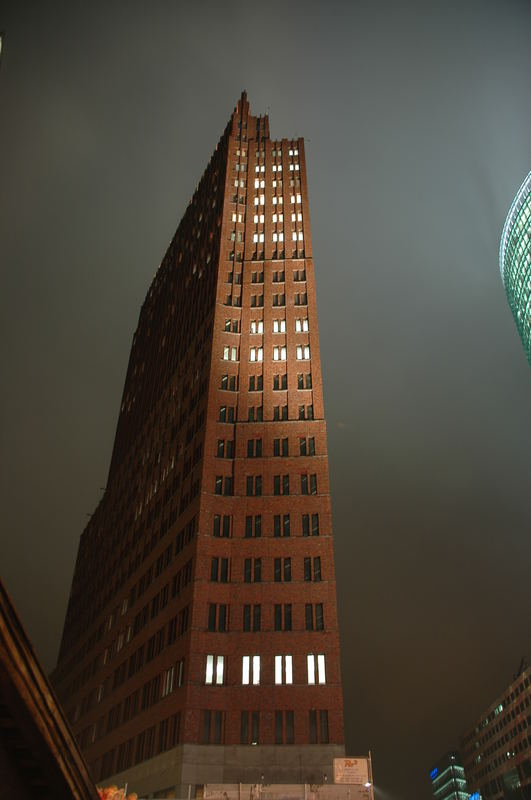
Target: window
x,y
222,525
212,727
282,570
217,617
228,382
314,618
301,299
282,617
307,446
252,618
251,670
215,670
225,448
283,669
254,448
256,383
256,354
278,276
278,218
318,734
308,484
226,414
252,570
309,574
257,300
249,727
258,237
299,274
253,526
257,277
306,412
254,485
316,668
219,569
281,447
230,353
279,299
281,525
257,326
301,324
280,484
280,382
232,325
304,381
258,218
278,200
279,353
279,326
295,198
303,352
224,485
280,412
284,728
255,413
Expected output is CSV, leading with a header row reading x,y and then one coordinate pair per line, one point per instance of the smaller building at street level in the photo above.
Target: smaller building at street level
x,y
448,778
496,751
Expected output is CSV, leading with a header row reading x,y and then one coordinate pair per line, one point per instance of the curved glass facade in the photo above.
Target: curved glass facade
x,y
515,262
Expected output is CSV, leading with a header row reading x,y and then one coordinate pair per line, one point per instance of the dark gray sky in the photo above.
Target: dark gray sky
x,y
418,121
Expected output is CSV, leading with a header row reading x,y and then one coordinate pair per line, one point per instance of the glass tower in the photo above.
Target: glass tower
x,y
515,262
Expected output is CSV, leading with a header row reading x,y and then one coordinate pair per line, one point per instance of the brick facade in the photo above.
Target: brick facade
x,y
224,368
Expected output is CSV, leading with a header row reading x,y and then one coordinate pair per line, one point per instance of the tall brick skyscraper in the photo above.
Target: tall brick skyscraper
x,y
202,616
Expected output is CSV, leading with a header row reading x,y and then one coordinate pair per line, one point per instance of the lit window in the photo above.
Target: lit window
x,y
279,326
257,326
301,324
257,354
316,668
283,669
251,670
215,669
279,353
301,237
256,183
303,352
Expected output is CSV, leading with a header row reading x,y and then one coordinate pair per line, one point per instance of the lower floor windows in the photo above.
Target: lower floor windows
x,y
250,727
318,721
284,727
252,618
212,727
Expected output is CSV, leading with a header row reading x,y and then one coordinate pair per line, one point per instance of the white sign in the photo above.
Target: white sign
x,y
351,770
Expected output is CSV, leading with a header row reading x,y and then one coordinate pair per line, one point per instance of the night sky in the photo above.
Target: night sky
x,y
417,118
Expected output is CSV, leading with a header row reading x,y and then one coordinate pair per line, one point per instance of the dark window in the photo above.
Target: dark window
x,y
228,382
313,727
256,383
280,382
323,725
281,447
308,484
281,525
282,569
282,617
254,448
304,381
222,525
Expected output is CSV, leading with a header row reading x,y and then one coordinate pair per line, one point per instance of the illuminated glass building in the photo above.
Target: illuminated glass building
x,y
515,262
448,780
